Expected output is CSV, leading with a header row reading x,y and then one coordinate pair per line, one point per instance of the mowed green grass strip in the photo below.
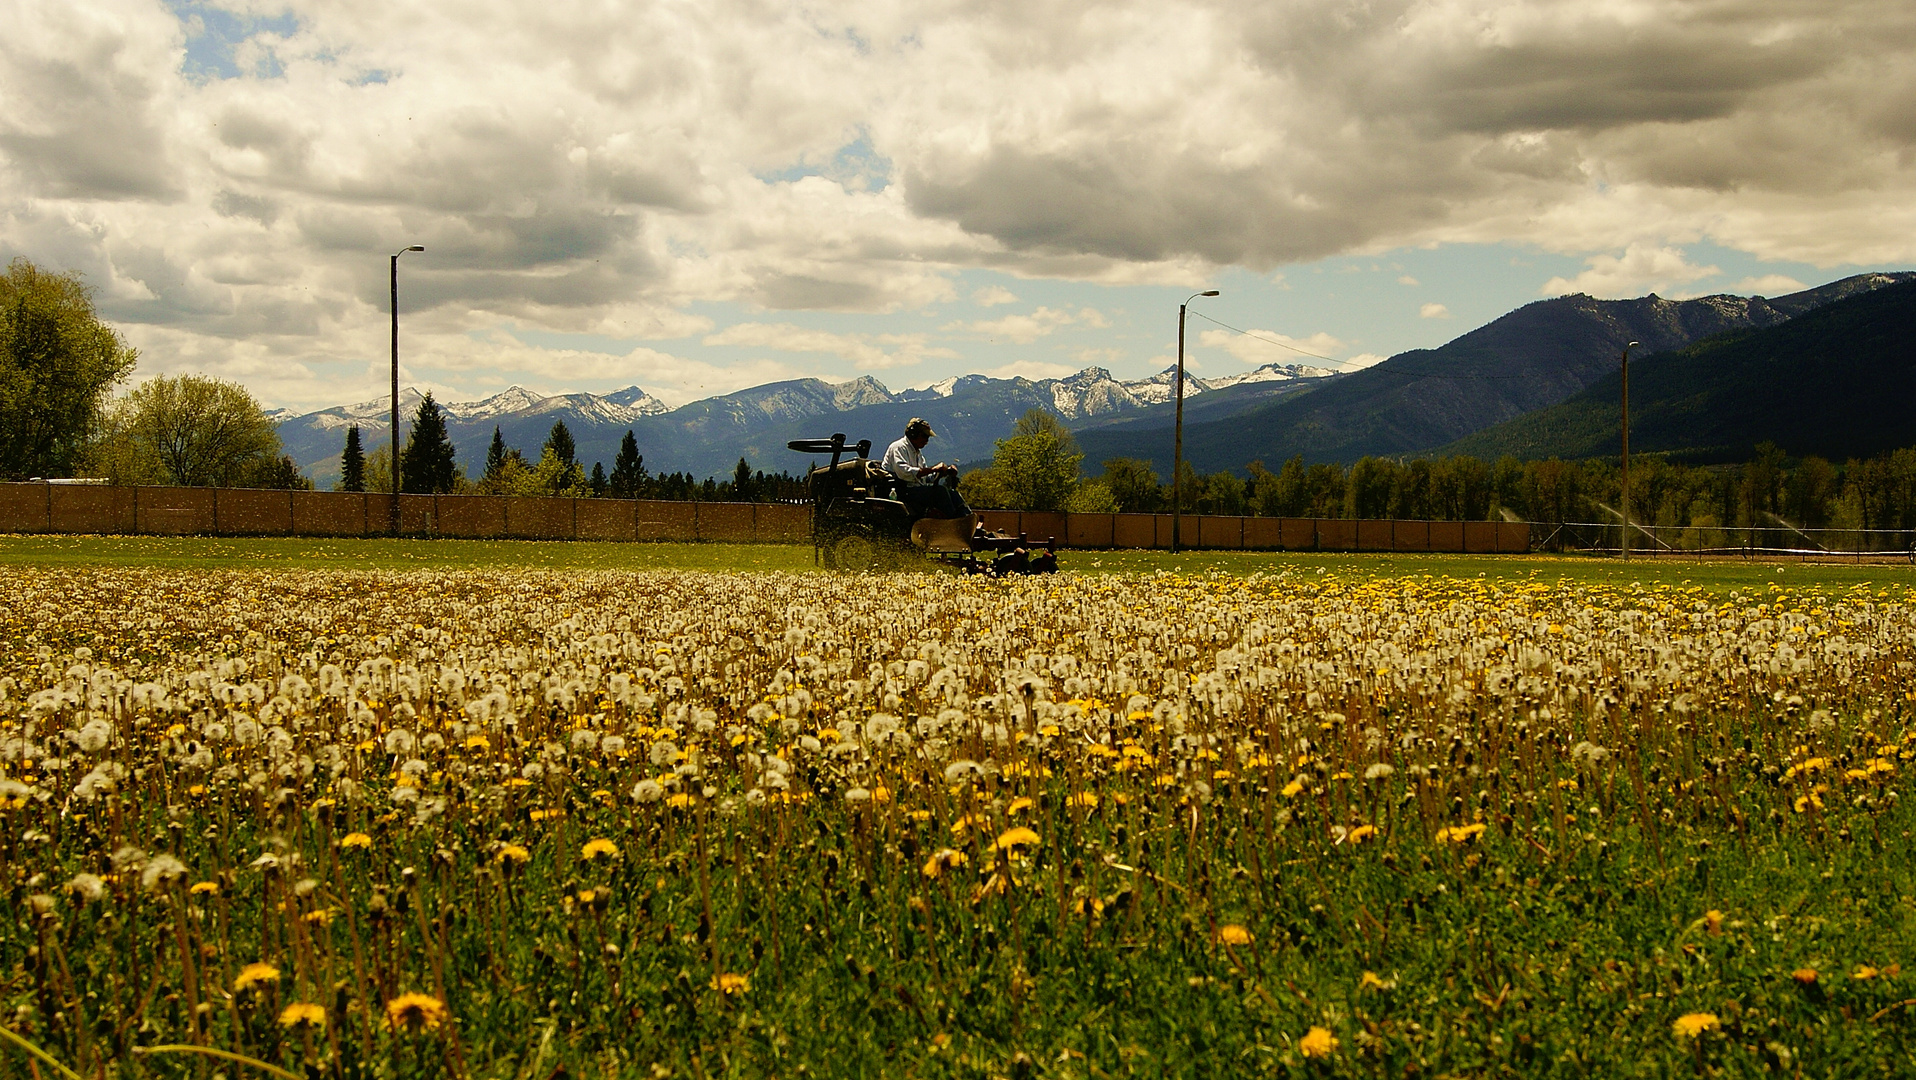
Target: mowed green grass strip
x,y
298,553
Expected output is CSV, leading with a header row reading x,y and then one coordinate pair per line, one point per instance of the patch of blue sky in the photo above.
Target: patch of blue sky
x,y
214,36
855,166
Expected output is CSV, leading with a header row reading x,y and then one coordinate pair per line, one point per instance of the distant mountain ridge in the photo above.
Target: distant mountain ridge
x,y
708,436
1531,358
1837,381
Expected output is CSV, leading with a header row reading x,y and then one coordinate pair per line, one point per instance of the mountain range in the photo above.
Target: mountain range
x,y
1838,381
1417,401
1558,352
708,436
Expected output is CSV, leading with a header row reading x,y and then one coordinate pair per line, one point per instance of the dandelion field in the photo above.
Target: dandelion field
x,y
528,824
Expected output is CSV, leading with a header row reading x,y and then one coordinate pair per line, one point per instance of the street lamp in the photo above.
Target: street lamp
x,y
395,418
1626,448
1177,447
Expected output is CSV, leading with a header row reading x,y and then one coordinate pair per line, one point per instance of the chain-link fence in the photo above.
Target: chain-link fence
x,y
1776,540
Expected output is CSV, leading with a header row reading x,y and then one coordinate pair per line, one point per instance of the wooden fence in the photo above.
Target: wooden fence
x,y
171,511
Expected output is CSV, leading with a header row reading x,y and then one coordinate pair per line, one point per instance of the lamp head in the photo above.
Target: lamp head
x,y
1208,292
417,247
1632,345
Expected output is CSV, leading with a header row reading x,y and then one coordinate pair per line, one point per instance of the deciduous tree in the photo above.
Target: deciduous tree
x,y
58,362
191,431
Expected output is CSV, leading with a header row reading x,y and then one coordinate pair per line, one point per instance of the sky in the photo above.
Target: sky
x,y
696,197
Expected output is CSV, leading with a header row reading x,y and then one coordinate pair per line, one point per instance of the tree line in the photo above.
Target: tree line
x,y
428,465
1040,468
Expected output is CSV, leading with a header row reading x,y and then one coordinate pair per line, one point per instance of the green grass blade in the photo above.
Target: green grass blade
x,y
228,1055
42,1054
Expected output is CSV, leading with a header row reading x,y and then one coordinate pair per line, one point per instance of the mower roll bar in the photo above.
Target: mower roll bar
x,y
835,446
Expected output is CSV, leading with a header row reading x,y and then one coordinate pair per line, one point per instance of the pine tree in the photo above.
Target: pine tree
x,y
352,463
427,467
742,482
628,469
560,443
495,454
598,479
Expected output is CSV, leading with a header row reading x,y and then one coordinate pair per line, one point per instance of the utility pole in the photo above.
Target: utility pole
x,y
1626,449
1177,448
395,417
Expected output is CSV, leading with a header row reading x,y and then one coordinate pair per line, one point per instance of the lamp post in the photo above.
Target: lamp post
x,y
1177,447
395,417
1626,449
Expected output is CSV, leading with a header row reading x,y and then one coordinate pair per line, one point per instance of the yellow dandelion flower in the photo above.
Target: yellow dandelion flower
x,y
1233,934
1318,1042
1713,922
1019,805
731,983
1291,789
680,801
1361,834
478,742
599,848
1372,981
1691,1025
302,1014
204,888
1804,976
416,1012
512,853
1084,800
1460,834
1864,971
944,859
255,976
1016,838
355,840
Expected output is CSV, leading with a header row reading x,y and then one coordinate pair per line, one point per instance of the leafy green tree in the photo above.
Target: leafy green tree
x,y
628,469
1037,467
428,465
1133,485
1092,497
188,430
552,476
352,463
559,441
58,362
281,473
598,482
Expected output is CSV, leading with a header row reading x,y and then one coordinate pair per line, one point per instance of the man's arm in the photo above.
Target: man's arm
x,y
897,464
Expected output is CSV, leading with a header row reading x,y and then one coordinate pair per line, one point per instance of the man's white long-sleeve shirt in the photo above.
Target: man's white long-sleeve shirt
x,y
903,460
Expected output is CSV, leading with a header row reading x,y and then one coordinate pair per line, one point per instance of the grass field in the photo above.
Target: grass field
x,y
525,811
274,553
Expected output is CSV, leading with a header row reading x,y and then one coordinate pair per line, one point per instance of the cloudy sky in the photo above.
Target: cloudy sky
x,y
701,196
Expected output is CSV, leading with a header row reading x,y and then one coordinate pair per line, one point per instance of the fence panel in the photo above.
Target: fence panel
x,y
729,523
1042,525
1220,532
1336,534
606,519
251,512
1134,530
90,508
27,508
1089,530
1480,537
539,518
781,523
175,511
472,517
1410,536
329,513
657,519
1447,536
1513,537
1373,535
1297,534
1263,534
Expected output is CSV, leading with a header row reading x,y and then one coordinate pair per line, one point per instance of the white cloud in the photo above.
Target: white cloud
x,y
1025,329
1768,285
610,170
1433,311
1030,369
1407,280
1640,269
867,352
1264,348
